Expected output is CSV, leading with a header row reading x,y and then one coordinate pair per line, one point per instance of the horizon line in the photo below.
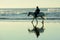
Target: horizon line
x,y
30,7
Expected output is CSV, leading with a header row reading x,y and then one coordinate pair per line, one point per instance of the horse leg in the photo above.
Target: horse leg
x,y
32,21
43,23
36,22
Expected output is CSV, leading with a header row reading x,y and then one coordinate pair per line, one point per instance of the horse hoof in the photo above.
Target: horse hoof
x,y
29,30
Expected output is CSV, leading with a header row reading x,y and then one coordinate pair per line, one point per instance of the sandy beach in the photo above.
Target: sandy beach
x,y
19,31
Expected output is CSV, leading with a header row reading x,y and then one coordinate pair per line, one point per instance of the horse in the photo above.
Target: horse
x,y
41,15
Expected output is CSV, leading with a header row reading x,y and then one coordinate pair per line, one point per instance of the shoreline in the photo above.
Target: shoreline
x,y
28,19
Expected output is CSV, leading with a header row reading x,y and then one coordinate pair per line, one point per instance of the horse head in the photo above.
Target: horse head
x,y
29,13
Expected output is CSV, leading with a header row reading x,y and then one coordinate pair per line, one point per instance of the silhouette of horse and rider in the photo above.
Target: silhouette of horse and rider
x,y
36,14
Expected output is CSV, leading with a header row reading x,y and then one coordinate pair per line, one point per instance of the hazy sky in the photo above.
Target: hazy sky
x,y
29,3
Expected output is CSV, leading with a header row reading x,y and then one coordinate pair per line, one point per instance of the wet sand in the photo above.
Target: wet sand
x,y
19,31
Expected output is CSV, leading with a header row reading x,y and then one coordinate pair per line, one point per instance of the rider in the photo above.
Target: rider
x,y
37,11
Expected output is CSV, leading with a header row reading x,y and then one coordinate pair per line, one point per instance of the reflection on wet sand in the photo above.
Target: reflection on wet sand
x,y
37,30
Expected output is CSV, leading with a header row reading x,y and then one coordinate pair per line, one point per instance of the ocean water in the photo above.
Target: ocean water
x,y
21,13
14,24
